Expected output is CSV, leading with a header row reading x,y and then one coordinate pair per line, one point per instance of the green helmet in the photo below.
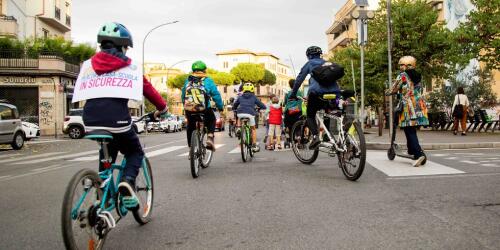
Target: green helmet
x,y
115,33
198,66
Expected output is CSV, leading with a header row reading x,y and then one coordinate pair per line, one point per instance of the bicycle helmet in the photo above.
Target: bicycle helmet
x,y
313,51
116,33
198,66
248,87
408,61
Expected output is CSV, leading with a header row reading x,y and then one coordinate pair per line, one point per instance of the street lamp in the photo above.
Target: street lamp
x,y
171,66
362,16
143,43
389,60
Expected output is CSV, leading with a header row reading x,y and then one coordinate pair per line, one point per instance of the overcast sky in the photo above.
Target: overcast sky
x,y
284,28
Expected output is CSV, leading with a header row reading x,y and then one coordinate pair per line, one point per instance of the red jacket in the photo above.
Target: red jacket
x,y
275,115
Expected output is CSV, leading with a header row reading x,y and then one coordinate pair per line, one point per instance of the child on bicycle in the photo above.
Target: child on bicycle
x,y
112,114
275,120
293,108
196,94
245,108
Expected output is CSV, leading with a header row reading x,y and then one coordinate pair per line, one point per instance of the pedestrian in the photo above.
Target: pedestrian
x,y
266,116
460,108
412,110
275,120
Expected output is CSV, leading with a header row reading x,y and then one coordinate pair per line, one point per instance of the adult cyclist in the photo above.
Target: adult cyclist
x,y
196,94
112,114
314,102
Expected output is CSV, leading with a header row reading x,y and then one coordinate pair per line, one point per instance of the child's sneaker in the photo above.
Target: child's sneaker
x,y
126,188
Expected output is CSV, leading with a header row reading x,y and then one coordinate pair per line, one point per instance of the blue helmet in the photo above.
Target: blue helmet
x,y
116,33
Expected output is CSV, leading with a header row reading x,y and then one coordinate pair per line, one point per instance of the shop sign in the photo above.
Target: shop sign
x,y
19,79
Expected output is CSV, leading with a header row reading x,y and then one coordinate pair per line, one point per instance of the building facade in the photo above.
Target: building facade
x,y
23,19
230,59
158,74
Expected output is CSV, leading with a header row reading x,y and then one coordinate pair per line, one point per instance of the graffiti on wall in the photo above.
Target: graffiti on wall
x,y
46,111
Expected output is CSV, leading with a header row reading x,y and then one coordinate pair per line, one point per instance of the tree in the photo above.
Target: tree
x,y
178,81
479,35
150,107
268,79
221,78
248,72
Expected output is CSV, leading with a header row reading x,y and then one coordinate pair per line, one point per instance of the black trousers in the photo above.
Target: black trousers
x,y
129,145
208,121
412,142
314,104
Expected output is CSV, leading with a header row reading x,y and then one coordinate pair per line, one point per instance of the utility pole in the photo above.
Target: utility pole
x,y
389,59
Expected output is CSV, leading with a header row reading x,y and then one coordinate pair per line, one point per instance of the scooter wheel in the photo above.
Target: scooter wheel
x,y
391,154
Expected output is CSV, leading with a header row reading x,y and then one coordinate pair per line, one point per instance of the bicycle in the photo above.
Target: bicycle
x,y
91,197
198,153
232,128
343,137
246,140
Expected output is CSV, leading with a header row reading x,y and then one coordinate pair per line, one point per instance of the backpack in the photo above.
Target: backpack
x,y
328,73
458,111
196,97
293,107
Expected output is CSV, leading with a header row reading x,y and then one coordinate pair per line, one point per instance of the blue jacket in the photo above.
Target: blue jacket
x,y
314,86
245,104
211,89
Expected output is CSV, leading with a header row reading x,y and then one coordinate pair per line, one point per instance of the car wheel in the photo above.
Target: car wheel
x,y
75,132
18,141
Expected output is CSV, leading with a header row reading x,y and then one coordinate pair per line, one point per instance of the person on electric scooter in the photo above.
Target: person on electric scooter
x,y
316,91
112,114
413,110
195,95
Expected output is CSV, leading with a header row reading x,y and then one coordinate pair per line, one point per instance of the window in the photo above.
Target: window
x,y
225,89
6,113
225,65
45,33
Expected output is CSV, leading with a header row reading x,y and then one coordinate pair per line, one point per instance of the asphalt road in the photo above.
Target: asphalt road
x,y
273,202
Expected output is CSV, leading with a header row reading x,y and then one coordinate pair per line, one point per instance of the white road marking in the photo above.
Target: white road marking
x,y
163,151
404,167
46,168
450,158
442,176
440,155
490,165
45,141
235,150
5,177
216,147
31,157
159,145
470,153
57,157
35,172
469,162
8,155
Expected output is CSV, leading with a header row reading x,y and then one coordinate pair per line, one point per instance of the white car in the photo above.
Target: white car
x,y
169,124
73,124
31,130
139,127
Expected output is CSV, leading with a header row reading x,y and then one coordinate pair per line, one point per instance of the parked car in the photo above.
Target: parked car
x,y
11,131
169,124
139,127
219,122
73,124
30,130
183,121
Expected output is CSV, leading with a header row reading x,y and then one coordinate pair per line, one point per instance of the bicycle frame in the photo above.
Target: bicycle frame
x,y
340,135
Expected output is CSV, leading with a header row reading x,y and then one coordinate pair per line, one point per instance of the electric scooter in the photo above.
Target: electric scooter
x,y
395,149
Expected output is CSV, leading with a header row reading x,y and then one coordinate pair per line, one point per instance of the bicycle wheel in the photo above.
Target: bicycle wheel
x,y
145,193
352,162
244,143
81,228
206,155
301,139
194,154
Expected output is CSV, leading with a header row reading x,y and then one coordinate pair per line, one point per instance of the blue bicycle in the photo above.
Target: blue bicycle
x,y
91,198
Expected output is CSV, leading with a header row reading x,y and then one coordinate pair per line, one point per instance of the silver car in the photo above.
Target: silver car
x,y
11,131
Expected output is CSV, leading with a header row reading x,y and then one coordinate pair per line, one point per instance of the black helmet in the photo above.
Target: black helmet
x,y
116,33
313,50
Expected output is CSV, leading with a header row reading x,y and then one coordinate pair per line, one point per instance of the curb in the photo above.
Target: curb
x,y
436,146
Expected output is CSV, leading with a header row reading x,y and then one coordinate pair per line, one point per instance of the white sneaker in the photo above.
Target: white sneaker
x,y
419,161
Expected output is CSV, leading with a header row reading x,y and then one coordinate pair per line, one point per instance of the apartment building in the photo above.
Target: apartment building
x,y
35,18
158,74
230,59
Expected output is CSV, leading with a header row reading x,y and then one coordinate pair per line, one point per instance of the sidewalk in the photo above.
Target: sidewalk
x,y
434,139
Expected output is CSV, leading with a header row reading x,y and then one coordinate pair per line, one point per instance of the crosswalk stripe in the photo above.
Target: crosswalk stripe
x,y
469,162
490,165
163,151
235,150
57,157
216,146
31,157
403,167
8,155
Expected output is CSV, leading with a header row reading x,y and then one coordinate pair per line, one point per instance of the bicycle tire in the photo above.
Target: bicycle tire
x,y
206,155
250,143
143,215
297,132
353,176
194,154
243,144
67,222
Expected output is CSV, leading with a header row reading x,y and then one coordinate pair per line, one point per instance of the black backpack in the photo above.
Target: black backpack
x,y
328,73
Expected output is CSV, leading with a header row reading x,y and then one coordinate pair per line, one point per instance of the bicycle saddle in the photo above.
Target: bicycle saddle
x,y
99,135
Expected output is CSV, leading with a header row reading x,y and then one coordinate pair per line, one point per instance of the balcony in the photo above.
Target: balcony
x,y
8,26
340,40
21,60
54,19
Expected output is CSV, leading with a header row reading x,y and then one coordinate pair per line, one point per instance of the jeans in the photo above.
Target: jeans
x,y
412,142
208,121
129,145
